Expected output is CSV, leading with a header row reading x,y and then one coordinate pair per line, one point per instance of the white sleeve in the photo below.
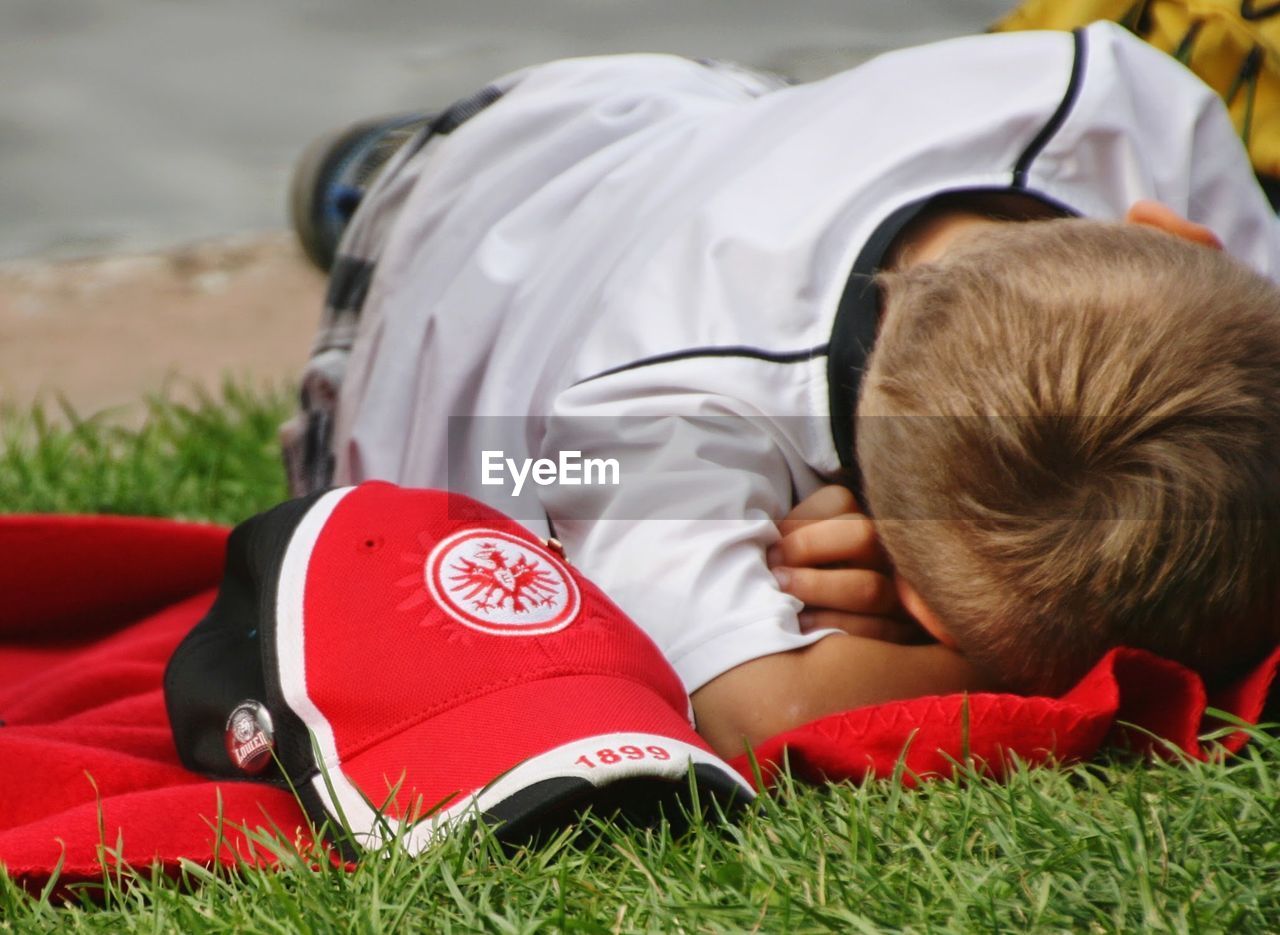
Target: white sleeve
x,y
1144,126
679,542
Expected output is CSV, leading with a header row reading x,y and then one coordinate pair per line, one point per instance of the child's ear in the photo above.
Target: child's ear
x,y
922,612
1154,214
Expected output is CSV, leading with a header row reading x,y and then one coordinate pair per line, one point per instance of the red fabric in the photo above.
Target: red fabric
x,y
92,609
93,606
1131,698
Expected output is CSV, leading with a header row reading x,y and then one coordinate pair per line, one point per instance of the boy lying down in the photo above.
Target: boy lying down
x,y
1015,291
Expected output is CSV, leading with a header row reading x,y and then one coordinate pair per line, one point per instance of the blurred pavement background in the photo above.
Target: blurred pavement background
x,y
130,126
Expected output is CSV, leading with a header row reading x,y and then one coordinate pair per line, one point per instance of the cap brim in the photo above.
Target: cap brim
x,y
555,747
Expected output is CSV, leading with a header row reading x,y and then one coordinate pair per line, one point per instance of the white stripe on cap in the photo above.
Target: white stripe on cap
x,y
346,800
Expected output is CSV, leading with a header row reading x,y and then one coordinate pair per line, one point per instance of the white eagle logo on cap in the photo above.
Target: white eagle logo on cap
x,y
501,584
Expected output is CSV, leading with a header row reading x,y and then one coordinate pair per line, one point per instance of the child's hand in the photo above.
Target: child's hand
x,y
829,557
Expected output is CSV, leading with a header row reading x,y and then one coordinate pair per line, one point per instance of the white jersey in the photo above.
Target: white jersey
x,y
622,238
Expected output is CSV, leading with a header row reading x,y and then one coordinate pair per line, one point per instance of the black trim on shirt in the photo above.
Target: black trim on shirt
x,y
1074,83
854,333
728,350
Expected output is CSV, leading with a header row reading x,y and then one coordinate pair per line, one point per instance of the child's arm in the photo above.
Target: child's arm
x,y
766,696
830,559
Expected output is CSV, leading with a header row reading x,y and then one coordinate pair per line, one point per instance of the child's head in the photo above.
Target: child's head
x,y
1069,434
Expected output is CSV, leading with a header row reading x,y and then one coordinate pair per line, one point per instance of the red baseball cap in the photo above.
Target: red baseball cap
x,y
413,657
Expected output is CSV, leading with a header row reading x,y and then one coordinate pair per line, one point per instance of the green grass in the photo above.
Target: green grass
x,y
1107,846
215,458
1104,848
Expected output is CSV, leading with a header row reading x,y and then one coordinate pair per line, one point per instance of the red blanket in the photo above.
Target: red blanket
x,y
93,606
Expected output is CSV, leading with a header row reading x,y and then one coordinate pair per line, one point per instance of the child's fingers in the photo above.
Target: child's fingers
x,y
849,538
851,590
824,503
871,627
1154,214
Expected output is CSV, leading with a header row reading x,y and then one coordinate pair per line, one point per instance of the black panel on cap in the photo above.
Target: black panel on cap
x,y
542,809
220,662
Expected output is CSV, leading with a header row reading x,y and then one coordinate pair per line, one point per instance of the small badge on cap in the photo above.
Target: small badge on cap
x,y
250,737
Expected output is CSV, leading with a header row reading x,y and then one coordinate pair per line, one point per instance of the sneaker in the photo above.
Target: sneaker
x,y
333,174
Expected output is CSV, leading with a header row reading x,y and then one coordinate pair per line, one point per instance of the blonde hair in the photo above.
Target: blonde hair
x,y
1069,435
